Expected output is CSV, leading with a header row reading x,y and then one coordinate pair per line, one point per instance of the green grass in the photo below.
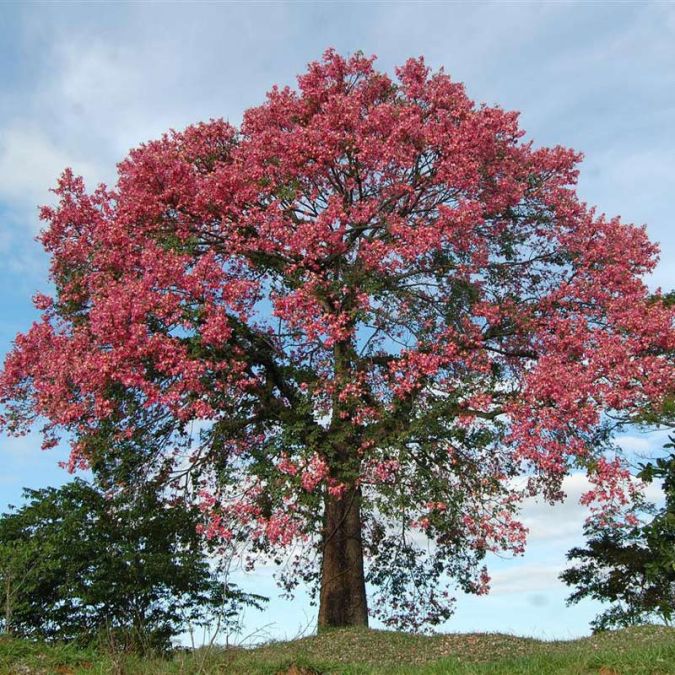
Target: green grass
x,y
648,650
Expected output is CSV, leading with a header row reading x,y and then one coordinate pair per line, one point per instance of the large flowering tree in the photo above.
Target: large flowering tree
x,y
388,318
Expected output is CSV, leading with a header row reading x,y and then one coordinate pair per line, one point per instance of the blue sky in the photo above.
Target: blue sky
x,y
82,83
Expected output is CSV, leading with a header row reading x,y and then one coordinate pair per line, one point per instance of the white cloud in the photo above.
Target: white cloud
x,y
634,444
108,98
526,579
655,494
561,523
30,163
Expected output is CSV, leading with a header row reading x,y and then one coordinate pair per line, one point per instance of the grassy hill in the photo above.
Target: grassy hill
x,y
649,650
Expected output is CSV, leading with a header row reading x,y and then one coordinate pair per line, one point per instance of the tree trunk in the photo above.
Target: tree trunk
x,y
342,598
8,603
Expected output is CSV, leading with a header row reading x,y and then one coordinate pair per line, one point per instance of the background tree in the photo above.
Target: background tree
x,y
356,319
633,568
82,565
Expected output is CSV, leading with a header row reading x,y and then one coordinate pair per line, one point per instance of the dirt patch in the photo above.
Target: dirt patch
x,y
298,670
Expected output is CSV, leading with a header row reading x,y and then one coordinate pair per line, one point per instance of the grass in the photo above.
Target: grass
x,y
647,650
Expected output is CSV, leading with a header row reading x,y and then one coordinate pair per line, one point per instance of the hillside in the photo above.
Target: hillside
x,y
648,650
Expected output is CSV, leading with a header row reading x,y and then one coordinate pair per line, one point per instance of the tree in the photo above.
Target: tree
x,y
632,568
16,567
78,564
358,318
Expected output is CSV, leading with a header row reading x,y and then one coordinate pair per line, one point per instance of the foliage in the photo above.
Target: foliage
x,y
78,564
632,568
359,317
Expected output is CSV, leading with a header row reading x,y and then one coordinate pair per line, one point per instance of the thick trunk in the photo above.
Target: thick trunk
x,y
342,599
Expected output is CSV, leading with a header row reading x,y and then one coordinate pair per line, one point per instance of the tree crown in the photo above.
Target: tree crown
x,y
371,282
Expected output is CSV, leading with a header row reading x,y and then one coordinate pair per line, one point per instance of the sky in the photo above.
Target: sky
x,y
81,83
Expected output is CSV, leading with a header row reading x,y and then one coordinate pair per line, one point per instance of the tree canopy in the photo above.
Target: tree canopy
x,y
371,314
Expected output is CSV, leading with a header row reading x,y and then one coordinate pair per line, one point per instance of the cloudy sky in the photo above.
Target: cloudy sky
x,y
82,83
